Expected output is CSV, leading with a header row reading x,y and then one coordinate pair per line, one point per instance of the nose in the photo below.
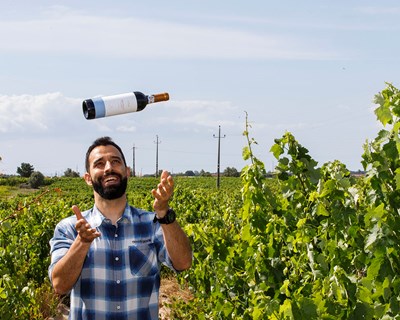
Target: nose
x,y
108,166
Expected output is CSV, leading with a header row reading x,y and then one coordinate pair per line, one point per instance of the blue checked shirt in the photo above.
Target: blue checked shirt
x,y
120,278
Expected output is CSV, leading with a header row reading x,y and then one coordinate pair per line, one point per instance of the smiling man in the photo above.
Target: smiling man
x,y
109,257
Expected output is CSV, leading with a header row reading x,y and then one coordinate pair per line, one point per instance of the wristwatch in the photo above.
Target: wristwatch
x,y
167,219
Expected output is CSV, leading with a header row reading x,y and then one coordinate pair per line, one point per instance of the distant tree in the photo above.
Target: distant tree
x,y
25,170
204,173
70,173
36,179
189,173
231,172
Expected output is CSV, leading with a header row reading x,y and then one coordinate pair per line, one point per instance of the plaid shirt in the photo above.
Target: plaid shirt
x,y
120,278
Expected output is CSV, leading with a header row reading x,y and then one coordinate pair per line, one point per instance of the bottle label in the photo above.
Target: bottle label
x,y
116,104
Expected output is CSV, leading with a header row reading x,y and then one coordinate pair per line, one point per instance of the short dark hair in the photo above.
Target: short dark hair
x,y
103,141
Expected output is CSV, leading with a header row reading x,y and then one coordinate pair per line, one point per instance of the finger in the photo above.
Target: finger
x,y
95,233
167,185
162,189
170,181
155,194
77,212
79,224
89,236
168,190
164,175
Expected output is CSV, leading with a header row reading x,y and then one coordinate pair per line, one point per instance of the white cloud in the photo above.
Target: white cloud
x,y
53,112
52,124
34,113
196,115
68,32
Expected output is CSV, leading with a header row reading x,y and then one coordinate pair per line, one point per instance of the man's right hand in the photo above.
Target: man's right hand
x,y
85,231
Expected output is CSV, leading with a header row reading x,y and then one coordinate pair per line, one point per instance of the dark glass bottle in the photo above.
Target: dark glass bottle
x,y
118,104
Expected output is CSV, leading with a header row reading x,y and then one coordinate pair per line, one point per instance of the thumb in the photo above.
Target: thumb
x,y
77,212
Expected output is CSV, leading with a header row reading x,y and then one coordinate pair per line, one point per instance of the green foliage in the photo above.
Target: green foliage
x,y
231,172
36,179
311,243
70,173
25,170
12,181
204,173
27,224
320,244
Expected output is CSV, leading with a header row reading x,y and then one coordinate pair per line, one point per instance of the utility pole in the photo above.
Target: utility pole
x,y
133,161
157,143
219,154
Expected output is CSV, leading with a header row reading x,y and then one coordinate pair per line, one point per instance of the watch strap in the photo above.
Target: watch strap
x,y
167,219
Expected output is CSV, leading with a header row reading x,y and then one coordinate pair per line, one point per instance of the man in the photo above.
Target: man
x,y
109,257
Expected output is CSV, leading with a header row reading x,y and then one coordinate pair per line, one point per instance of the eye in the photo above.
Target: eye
x,y
98,164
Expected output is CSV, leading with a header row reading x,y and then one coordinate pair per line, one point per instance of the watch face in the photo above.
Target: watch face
x,y
170,217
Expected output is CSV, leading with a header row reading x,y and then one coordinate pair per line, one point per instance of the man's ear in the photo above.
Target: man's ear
x,y
88,178
128,171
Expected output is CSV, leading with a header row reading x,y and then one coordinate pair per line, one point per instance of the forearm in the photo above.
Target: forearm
x,y
178,246
68,268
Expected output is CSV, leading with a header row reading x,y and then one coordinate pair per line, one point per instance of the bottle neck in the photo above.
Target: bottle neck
x,y
157,97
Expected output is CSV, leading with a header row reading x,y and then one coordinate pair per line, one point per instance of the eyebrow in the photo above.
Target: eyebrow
x,y
102,159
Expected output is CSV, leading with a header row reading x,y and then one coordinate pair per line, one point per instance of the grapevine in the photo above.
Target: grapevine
x,y
309,243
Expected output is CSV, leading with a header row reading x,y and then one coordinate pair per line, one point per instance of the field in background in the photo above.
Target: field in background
x,y
311,243
28,218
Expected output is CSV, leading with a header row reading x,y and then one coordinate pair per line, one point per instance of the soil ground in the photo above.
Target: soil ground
x,y
169,290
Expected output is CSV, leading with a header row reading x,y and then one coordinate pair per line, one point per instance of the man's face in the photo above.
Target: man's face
x,y
107,174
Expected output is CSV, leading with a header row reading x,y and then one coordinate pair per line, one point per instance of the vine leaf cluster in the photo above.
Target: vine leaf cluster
x,y
311,243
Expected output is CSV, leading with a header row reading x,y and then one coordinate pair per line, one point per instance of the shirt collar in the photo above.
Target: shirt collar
x,y
96,218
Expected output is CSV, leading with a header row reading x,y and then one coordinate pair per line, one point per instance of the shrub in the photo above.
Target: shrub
x,y
36,179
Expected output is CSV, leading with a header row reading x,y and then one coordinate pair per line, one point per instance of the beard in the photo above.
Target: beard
x,y
111,192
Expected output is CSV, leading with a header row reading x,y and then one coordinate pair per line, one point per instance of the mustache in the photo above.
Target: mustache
x,y
112,174
108,174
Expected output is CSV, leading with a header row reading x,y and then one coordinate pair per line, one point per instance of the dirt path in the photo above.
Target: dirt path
x,y
169,290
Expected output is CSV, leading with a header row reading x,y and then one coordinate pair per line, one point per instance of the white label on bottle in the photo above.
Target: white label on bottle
x,y
120,103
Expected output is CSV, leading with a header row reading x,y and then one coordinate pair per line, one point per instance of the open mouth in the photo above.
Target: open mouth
x,y
111,180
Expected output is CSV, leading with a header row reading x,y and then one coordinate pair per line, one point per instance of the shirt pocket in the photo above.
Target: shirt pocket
x,y
143,260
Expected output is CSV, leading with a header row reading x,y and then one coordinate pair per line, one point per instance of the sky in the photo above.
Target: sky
x,y
311,68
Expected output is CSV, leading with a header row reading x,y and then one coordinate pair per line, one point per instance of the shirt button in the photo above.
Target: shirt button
x,y
118,307
118,281
116,258
116,235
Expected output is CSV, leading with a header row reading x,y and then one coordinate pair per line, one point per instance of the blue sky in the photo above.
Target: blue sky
x,y
311,68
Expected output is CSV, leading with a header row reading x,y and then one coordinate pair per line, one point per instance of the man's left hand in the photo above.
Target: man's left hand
x,y
163,194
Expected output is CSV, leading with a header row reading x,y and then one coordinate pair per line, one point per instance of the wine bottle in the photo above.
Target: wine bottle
x,y
118,104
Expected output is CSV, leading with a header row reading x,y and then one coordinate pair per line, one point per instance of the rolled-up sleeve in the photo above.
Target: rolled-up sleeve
x,y
64,236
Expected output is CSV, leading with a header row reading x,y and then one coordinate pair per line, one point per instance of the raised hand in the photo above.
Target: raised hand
x,y
163,194
85,231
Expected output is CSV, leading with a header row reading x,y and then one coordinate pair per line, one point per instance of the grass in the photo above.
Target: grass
x,y
7,192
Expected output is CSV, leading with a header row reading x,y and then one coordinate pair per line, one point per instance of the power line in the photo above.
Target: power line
x,y
219,152
157,143
133,161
